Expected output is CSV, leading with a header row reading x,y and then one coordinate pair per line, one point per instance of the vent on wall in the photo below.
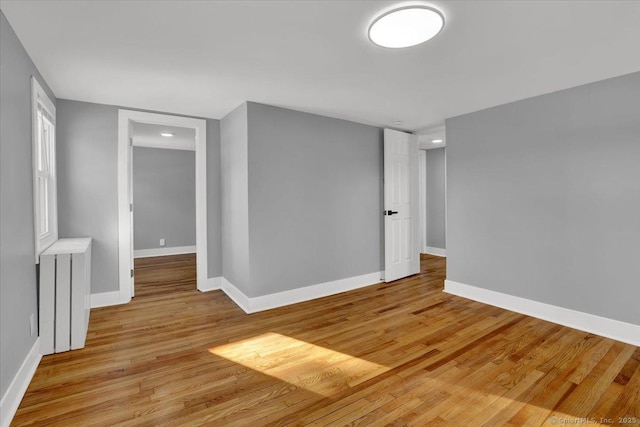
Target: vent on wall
x,y
65,295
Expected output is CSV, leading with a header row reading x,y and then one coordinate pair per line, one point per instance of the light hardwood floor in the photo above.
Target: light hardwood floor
x,y
403,353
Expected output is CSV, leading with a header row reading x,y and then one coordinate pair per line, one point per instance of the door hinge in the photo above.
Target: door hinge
x,y
130,207
130,142
132,272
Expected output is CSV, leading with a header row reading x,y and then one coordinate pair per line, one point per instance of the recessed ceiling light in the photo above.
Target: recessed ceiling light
x,y
406,26
167,134
436,141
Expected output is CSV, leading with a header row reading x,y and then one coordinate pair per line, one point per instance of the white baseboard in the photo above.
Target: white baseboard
x,y
13,396
434,251
105,299
176,250
212,284
293,296
609,328
237,296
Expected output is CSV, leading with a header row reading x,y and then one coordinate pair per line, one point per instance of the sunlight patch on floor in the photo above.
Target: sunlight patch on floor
x,y
302,364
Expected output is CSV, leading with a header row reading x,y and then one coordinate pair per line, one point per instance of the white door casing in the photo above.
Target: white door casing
x,y
130,177
401,226
125,194
422,197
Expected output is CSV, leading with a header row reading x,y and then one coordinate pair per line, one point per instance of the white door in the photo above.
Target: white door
x,y
401,214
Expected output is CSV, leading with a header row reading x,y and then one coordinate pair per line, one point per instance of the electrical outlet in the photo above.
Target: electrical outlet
x,y
162,242
32,324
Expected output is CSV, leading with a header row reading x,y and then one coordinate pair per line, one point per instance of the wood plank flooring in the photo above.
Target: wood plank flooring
x,y
402,353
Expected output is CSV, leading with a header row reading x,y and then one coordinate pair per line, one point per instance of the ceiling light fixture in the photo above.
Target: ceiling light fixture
x,y
167,134
406,26
436,141
398,122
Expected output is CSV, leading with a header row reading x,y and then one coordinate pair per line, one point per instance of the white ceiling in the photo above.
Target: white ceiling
x,y
149,135
205,58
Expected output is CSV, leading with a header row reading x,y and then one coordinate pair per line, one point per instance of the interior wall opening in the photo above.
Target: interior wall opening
x,y
139,130
163,183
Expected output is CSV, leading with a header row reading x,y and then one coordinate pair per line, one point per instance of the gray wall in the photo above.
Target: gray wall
x,y
436,213
87,143
315,199
18,287
164,197
234,197
87,138
214,200
544,198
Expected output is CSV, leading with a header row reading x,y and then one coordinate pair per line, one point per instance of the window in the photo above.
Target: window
x,y
44,169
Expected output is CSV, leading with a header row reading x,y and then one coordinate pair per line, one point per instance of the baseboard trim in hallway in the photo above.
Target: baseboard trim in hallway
x,y
175,250
430,250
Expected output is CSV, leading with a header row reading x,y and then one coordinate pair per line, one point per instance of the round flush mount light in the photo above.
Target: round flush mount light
x,y
406,26
166,134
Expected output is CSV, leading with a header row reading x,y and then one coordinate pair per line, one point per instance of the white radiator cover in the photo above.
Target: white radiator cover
x,y
65,295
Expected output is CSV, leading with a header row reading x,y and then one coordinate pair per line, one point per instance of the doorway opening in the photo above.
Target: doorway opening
x,y
136,132
433,191
164,207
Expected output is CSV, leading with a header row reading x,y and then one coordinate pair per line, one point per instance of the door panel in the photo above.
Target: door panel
x,y
402,253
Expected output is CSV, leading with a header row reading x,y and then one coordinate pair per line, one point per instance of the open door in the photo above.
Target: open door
x,y
401,243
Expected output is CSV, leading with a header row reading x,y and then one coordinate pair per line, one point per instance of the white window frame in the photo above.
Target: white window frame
x,y
43,109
